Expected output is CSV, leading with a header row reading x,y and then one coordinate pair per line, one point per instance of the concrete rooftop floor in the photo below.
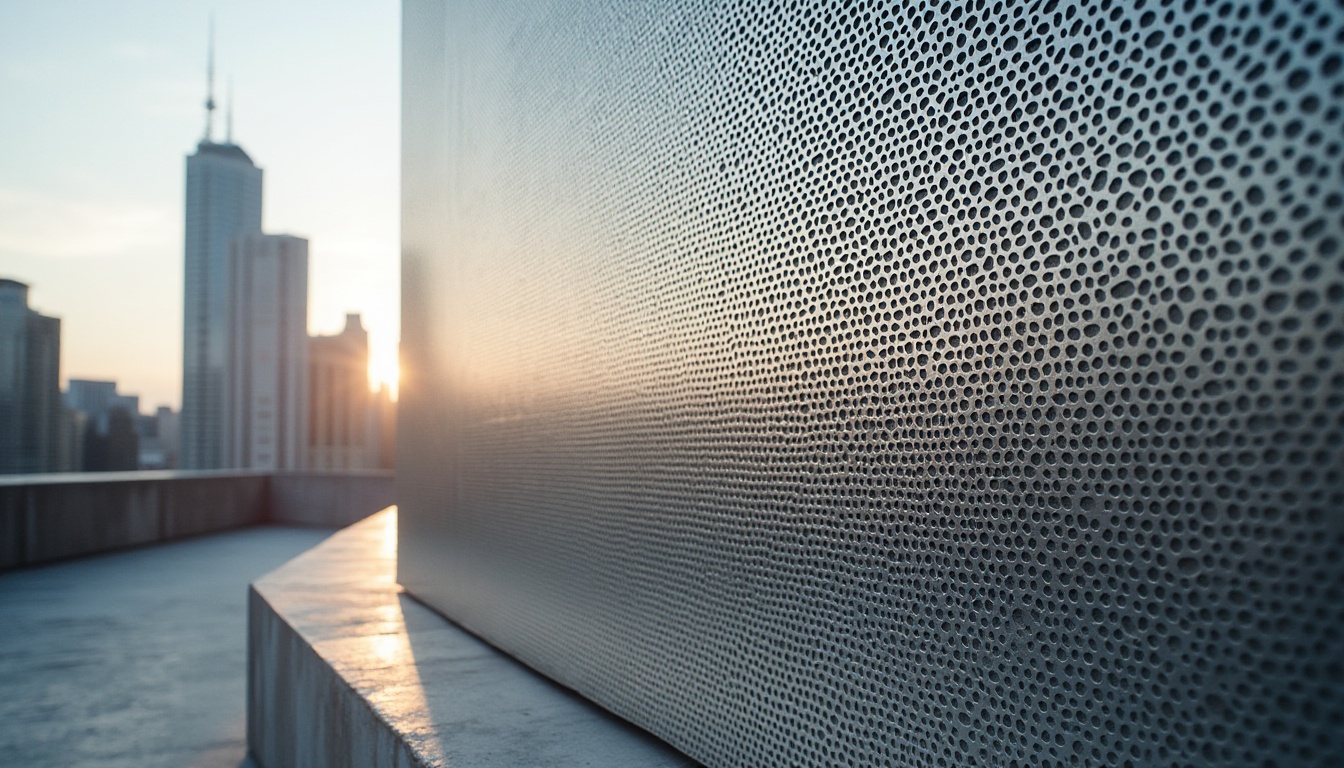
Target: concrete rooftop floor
x,y
134,658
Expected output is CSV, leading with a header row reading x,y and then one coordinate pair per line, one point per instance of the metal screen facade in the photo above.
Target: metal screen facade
x,y
904,384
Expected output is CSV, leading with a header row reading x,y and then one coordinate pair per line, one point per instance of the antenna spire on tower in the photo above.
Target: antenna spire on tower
x,y
210,85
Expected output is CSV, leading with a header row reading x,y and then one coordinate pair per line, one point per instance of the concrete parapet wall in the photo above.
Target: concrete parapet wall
x,y
301,711
52,517
328,499
345,671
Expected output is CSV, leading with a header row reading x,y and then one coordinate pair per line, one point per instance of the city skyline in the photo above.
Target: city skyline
x,y
106,103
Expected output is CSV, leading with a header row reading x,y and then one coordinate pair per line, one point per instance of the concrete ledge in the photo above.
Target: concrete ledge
x,y
346,670
44,518
327,499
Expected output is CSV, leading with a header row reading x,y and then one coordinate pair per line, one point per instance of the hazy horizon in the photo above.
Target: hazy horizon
x,y
102,104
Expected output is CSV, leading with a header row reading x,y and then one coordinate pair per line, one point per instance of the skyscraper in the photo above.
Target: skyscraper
x,y
223,200
109,425
340,419
30,387
92,398
268,291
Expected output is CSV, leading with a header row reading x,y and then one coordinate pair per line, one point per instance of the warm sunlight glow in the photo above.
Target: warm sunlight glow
x,y
390,537
383,368
388,649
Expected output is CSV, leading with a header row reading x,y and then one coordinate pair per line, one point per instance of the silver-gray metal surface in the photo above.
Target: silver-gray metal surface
x,y
887,384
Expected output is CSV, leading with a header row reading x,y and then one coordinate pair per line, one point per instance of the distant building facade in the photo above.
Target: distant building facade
x,y
268,346
158,439
385,428
31,418
223,201
93,398
72,427
106,424
341,419
114,449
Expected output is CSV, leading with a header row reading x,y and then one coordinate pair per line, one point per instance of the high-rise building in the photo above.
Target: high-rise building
x,y
115,448
385,428
93,398
158,439
110,426
267,392
223,201
30,384
72,426
341,421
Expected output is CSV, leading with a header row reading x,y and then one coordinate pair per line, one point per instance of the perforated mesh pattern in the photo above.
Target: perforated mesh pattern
x,y
832,383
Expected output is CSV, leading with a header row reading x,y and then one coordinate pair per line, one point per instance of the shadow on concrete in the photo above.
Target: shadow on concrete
x,y
467,685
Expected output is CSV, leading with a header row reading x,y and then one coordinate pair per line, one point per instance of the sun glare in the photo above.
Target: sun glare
x,y
384,371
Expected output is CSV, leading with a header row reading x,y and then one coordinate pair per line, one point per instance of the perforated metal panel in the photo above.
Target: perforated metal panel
x,y
862,384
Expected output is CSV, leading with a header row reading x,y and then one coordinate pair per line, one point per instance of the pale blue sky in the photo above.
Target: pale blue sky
x,y
100,102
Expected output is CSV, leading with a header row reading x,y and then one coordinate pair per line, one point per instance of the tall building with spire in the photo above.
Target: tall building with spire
x,y
223,201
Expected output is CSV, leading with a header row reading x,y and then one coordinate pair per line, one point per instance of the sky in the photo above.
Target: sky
x,y
100,103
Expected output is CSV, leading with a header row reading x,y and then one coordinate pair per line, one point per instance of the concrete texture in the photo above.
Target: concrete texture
x,y
134,659
345,670
45,518
328,499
